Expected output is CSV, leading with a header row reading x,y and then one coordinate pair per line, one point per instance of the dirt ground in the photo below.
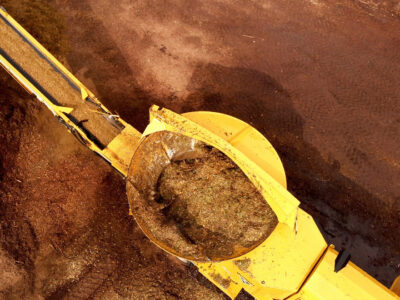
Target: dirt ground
x,y
65,232
318,78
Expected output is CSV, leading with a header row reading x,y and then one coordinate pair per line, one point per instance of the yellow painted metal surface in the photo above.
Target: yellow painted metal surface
x,y
293,261
350,283
277,267
395,288
284,204
248,271
243,137
120,150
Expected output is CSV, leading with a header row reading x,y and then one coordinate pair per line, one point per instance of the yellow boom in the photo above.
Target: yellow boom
x,y
294,262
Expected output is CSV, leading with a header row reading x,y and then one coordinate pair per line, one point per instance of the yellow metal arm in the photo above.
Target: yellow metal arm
x,y
395,288
349,283
294,262
42,75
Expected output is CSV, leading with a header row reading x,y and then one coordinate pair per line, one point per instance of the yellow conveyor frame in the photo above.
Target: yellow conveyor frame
x,y
294,262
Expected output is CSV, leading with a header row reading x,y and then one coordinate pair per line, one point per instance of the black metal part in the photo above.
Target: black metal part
x,y
90,135
341,260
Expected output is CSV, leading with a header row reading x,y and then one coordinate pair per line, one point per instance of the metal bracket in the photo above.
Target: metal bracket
x,y
341,260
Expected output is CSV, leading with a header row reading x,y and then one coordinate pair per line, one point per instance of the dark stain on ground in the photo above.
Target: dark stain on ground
x,y
17,237
261,101
248,94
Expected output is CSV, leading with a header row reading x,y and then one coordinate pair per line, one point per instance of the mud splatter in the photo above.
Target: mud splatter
x,y
224,282
243,264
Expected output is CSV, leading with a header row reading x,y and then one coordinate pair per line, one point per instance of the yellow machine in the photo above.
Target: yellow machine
x,y
294,262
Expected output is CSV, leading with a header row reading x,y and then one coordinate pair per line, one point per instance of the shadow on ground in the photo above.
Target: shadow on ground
x,y
112,246
342,207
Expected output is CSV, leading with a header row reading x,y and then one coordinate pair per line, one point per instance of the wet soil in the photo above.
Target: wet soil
x,y
65,232
318,78
214,204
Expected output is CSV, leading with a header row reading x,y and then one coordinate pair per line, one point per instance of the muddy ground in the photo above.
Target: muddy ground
x,y
318,78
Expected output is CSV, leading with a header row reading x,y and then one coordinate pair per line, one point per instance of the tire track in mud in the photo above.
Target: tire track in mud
x,y
17,235
54,205
318,183
90,284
